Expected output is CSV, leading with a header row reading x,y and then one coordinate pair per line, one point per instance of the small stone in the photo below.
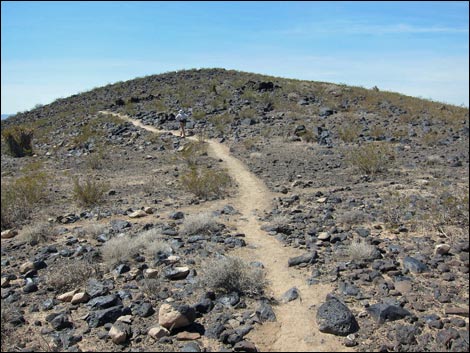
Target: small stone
x,y
117,334
67,297
5,282
187,336
441,249
151,273
323,236
9,233
158,332
138,214
79,298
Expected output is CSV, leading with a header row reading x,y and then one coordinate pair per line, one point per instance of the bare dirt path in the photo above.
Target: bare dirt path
x,y
295,329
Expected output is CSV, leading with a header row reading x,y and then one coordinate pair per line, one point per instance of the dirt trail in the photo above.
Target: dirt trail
x,y
295,329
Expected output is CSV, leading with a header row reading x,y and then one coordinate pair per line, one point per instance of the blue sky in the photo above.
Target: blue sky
x,y
56,49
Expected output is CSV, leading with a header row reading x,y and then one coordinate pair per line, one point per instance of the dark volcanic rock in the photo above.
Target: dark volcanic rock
x,y
100,317
334,317
414,265
303,259
385,312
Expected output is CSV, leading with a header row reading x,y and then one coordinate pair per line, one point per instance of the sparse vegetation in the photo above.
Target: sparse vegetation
x,y
349,132
204,182
20,196
120,249
39,233
201,223
90,192
231,274
19,141
71,275
360,250
371,158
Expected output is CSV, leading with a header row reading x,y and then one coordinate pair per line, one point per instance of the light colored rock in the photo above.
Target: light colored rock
x,y
149,210
403,287
151,273
171,318
9,233
441,249
27,266
79,298
125,318
138,214
158,332
322,200
117,335
172,259
187,336
67,297
323,236
5,282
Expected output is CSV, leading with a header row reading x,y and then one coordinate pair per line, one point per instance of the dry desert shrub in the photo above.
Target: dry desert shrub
x,y
204,182
349,132
122,248
90,192
20,196
370,158
360,250
38,233
70,276
204,222
231,274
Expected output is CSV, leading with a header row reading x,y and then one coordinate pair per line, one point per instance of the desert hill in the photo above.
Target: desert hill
x,y
285,191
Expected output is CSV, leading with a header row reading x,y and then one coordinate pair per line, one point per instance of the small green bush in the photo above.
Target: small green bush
x,y
204,182
370,158
90,193
233,275
19,141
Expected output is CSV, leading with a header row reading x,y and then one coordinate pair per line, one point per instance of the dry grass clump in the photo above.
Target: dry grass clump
x,y
231,274
360,250
353,217
122,248
71,275
95,229
38,233
204,222
370,158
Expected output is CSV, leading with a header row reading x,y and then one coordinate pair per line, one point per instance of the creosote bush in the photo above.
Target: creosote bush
x,y
231,274
19,141
90,192
20,196
204,182
370,158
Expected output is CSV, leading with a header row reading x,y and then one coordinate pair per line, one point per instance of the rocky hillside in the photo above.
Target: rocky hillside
x,y
115,238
